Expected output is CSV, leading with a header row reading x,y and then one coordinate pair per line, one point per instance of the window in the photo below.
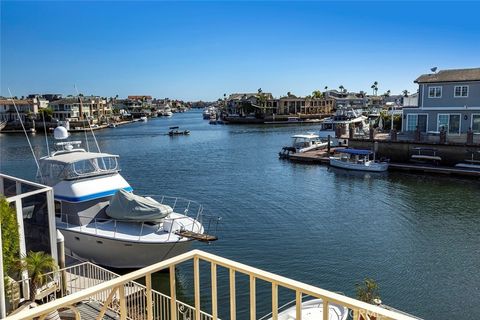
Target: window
x,y
461,91
476,123
449,122
417,120
434,92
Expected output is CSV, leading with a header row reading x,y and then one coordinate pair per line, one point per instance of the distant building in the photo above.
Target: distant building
x,y
448,99
27,108
81,108
348,99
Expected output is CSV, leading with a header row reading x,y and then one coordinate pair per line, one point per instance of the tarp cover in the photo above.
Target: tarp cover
x,y
127,206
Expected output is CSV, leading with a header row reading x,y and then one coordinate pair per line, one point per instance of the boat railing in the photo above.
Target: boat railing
x,y
187,208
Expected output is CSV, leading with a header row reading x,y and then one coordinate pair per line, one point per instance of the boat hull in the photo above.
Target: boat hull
x,y
371,167
117,253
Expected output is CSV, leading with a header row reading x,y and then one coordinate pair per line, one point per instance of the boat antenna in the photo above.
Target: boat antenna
x,y
90,126
46,137
81,108
26,135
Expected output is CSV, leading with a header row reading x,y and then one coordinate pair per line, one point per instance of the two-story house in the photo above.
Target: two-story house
x,y
449,100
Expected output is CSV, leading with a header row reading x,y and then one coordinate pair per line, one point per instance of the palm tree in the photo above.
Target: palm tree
x,y
36,264
317,94
405,93
341,87
375,87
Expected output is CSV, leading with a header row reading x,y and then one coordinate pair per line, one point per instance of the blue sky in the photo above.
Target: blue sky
x,y
201,50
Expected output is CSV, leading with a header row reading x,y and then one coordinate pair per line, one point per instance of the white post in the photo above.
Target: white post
x,y
51,224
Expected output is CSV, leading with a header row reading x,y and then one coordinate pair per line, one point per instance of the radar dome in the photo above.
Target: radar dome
x,y
60,133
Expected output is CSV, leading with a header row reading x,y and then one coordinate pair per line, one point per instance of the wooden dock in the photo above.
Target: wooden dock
x,y
321,157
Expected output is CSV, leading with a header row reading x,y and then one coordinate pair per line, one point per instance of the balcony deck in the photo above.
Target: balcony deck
x,y
128,299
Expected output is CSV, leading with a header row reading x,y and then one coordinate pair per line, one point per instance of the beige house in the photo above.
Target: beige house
x,y
26,108
81,108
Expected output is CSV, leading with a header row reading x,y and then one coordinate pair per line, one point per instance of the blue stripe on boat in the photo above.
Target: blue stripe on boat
x,y
91,196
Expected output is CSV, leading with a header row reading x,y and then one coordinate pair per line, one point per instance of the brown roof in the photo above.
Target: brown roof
x,y
139,97
17,102
452,75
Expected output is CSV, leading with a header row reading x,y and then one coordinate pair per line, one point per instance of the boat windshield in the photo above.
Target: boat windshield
x,y
55,171
93,166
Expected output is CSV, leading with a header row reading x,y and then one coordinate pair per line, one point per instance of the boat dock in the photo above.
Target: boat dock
x,y
321,157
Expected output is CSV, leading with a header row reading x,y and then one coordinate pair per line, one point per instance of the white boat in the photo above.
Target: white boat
x,y
341,121
307,142
112,125
144,119
311,310
103,221
355,159
3,124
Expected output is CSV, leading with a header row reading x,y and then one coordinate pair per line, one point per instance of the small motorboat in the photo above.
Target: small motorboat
x,y
174,131
112,125
302,143
144,119
311,310
356,159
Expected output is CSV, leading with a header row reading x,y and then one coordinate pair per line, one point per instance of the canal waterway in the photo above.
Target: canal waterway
x,y
418,236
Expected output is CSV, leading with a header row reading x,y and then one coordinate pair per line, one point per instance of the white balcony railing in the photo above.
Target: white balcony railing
x,y
130,300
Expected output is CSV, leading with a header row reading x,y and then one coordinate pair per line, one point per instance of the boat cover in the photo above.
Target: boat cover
x,y
125,205
354,151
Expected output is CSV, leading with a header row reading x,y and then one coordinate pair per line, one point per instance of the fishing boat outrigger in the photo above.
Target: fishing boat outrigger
x,y
104,222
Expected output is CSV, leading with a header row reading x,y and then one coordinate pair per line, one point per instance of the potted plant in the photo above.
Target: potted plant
x,y
368,292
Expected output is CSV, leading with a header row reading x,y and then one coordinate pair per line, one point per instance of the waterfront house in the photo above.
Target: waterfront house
x,y
447,99
81,108
27,108
250,104
292,105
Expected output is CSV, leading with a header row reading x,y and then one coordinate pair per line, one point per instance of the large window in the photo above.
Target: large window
x,y
417,120
476,123
461,92
449,122
434,92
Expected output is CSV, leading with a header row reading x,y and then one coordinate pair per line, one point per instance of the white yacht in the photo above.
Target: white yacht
x,y
343,118
307,142
355,159
311,310
144,119
103,221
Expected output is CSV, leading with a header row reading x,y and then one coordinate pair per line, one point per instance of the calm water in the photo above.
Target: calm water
x,y
418,236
